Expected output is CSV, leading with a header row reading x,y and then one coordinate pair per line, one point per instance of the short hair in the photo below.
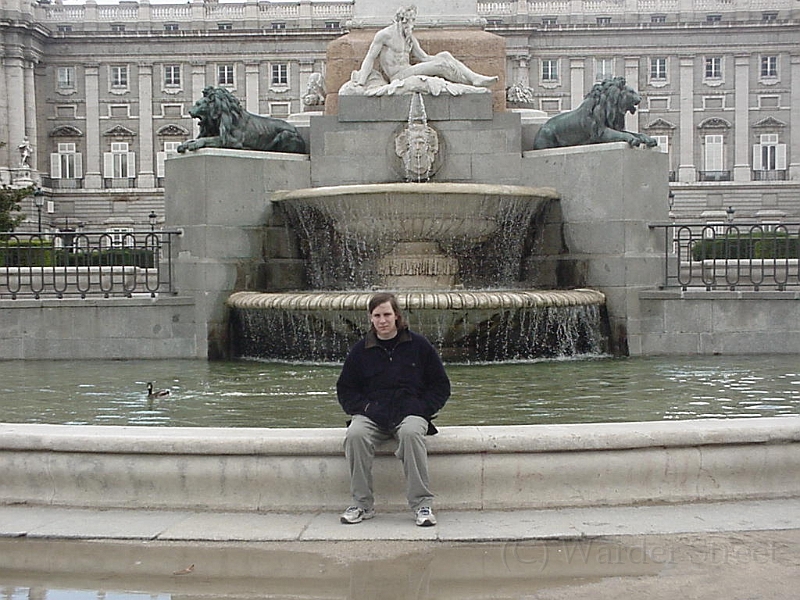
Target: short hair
x,y
382,298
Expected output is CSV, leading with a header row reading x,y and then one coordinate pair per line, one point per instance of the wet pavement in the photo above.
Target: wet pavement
x,y
733,550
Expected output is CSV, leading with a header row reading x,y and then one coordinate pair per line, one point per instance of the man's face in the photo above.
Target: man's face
x,y
406,21
384,320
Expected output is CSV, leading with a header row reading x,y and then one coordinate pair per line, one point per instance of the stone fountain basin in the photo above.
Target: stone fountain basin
x,y
418,212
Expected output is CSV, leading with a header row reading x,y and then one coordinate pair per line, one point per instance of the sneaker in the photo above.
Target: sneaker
x,y
425,517
356,514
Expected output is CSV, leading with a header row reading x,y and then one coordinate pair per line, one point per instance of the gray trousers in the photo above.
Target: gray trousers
x,y
360,441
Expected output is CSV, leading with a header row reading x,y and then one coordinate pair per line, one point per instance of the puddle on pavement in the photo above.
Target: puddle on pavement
x,y
83,570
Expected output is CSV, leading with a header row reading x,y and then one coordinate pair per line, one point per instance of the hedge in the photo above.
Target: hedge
x,y
757,245
41,253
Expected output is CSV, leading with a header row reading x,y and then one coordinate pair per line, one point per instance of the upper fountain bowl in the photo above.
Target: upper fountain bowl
x,y
364,236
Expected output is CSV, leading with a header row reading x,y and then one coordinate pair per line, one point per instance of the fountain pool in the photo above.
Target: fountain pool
x,y
272,394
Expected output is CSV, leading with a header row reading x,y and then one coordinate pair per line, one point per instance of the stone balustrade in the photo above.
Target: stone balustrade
x,y
298,10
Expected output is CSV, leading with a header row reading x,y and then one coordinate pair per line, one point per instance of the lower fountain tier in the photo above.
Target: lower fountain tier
x,y
464,325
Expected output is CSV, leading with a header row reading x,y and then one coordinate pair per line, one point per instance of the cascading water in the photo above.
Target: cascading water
x,y
453,253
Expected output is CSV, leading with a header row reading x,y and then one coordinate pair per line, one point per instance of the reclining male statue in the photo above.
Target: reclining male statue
x,y
393,47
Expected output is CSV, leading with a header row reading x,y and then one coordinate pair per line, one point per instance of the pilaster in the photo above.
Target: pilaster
x,y
577,67
687,170
794,119
251,87
15,82
741,150
632,79
146,178
93,176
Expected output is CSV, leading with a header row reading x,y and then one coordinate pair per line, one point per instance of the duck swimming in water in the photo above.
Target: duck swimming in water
x,y
151,393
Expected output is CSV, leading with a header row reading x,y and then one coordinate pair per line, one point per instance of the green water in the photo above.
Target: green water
x,y
257,394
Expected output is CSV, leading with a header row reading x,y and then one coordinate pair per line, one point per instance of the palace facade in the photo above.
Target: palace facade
x,y
94,97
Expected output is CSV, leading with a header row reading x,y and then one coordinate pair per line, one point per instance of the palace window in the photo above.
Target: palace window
x,y
119,163
172,75
171,27
226,75
280,74
658,69
119,76
67,163
550,69
170,149
66,78
333,24
768,154
224,26
713,67
278,25
118,28
713,153
658,18
604,68
769,66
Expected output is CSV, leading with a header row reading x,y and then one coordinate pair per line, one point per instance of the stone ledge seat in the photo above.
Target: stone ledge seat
x,y
482,467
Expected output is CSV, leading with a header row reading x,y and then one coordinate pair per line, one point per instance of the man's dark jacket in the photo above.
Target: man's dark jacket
x,y
389,384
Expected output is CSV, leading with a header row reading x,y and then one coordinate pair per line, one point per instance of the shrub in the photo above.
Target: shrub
x,y
755,245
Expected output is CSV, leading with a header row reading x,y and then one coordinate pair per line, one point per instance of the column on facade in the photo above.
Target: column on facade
x,y
632,79
15,86
93,175
794,119
198,83
251,88
31,129
5,151
577,68
146,178
741,150
687,170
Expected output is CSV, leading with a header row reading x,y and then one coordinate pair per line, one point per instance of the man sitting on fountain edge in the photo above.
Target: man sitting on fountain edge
x,y
393,383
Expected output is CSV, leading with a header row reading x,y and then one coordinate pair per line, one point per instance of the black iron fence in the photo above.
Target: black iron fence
x,y
731,256
86,263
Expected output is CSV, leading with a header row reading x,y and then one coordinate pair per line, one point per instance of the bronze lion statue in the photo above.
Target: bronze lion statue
x,y
599,118
225,124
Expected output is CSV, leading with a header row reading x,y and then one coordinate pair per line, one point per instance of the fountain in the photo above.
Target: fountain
x,y
495,253
453,252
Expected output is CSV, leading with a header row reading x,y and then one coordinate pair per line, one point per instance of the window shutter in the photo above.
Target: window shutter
x,y
757,163
108,165
55,166
780,157
714,153
131,164
79,166
160,158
